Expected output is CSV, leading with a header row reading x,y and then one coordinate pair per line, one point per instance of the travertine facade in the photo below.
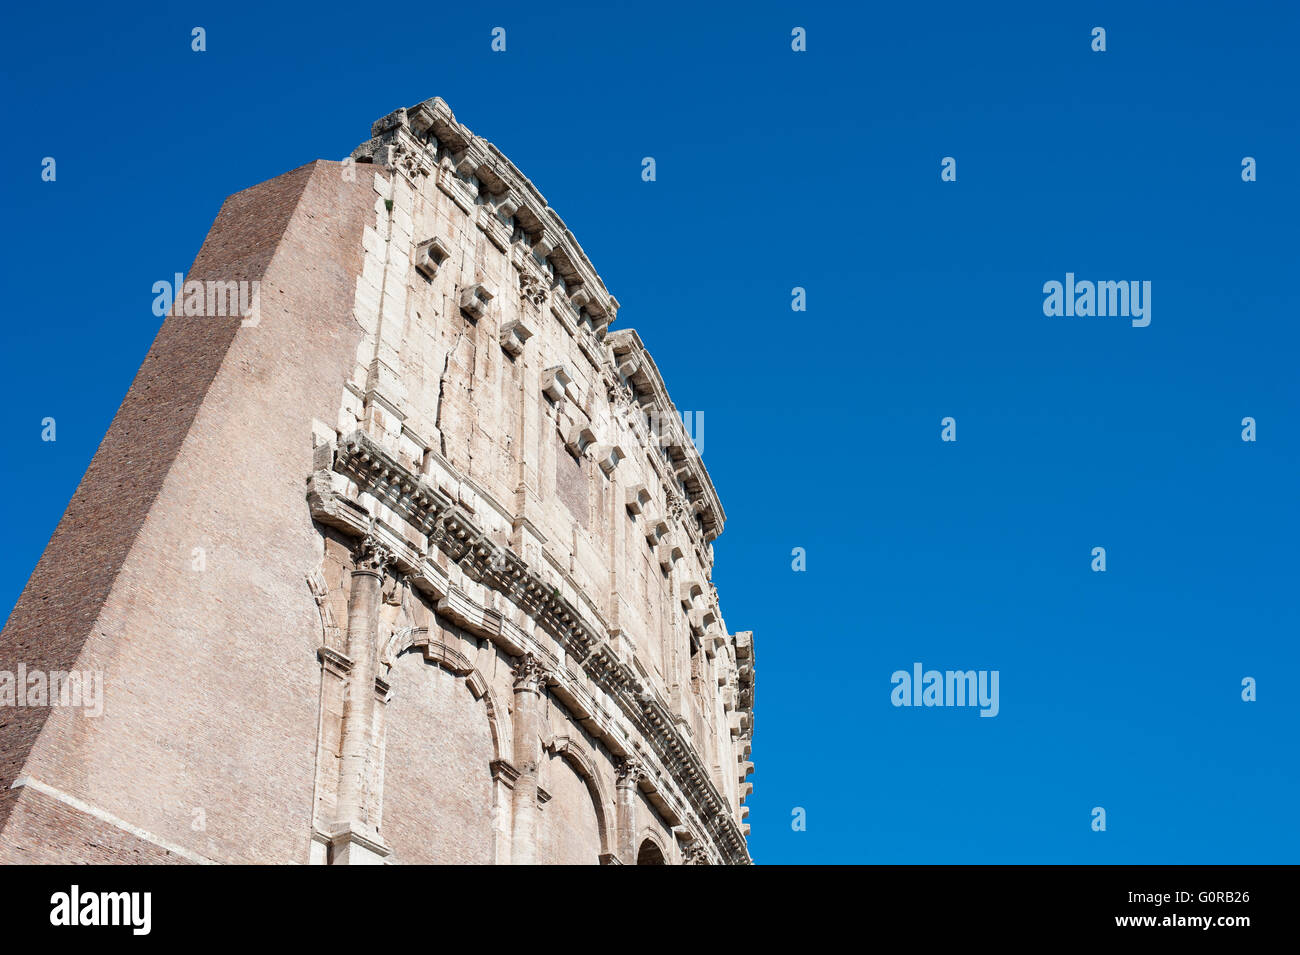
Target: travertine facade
x,y
412,564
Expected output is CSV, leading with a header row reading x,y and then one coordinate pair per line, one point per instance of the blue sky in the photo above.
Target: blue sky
x,y
818,169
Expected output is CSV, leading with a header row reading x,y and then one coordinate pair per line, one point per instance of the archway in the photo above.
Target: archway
x,y
650,854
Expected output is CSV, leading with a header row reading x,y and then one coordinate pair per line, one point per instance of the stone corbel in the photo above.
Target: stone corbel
x,y
608,456
598,317
638,498
669,554
514,335
628,364
556,382
468,160
579,439
507,203
545,243
475,299
580,298
429,256
655,529
712,524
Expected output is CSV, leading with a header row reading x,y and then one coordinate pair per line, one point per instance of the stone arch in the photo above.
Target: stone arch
x,y
650,851
577,756
449,658
440,792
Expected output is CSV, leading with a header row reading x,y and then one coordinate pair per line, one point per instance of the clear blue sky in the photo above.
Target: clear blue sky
x,y
818,169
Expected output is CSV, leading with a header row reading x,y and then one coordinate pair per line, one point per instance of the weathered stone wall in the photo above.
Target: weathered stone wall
x,y
455,603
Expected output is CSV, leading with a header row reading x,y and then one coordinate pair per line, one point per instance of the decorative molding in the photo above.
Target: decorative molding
x,y
333,633
695,854
532,287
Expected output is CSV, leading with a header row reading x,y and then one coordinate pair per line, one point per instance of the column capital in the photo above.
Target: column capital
x,y
630,771
695,854
371,556
530,674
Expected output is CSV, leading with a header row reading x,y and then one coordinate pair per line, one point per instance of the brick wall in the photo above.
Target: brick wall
x,y
210,677
437,777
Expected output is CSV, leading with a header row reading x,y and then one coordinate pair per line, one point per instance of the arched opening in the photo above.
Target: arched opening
x,y
578,759
571,833
650,854
437,782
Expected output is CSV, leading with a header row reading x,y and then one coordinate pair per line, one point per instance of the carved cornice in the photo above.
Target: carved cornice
x,y
454,532
393,145
427,136
637,368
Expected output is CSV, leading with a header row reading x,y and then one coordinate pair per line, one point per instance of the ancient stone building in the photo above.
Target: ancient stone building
x,y
408,561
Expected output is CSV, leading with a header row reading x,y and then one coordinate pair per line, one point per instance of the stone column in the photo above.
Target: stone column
x,y
530,677
354,840
630,774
